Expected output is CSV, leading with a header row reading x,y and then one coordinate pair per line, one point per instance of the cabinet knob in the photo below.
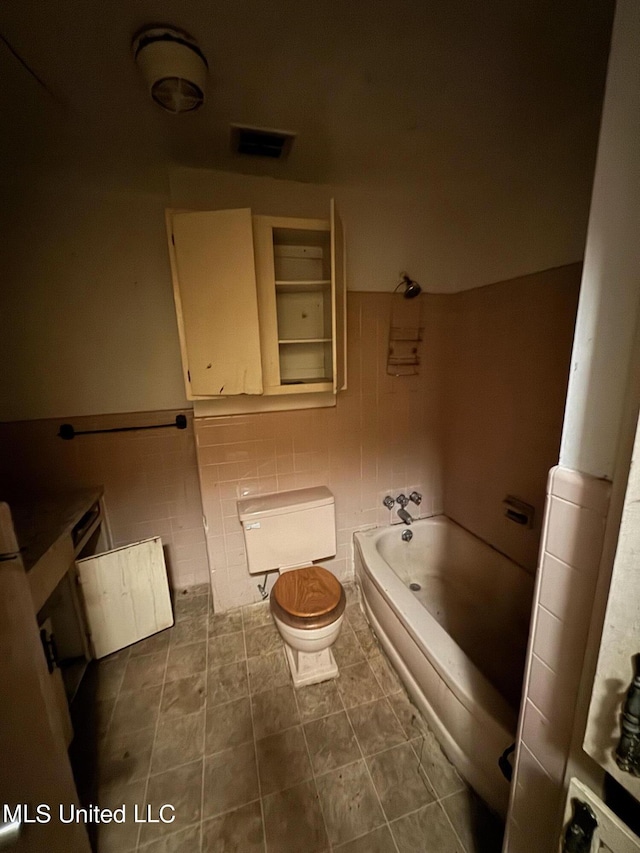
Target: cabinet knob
x,y
579,832
50,649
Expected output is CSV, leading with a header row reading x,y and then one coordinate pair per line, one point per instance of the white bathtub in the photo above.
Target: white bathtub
x,y
458,643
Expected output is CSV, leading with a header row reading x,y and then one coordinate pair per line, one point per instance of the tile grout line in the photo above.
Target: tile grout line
x,y
385,696
107,730
455,831
313,772
206,708
375,790
253,732
153,745
353,731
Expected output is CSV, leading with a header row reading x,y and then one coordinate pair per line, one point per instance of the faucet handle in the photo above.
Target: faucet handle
x,y
403,500
388,502
416,497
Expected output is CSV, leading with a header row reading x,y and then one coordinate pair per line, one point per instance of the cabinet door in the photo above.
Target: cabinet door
x,y
591,827
35,767
339,297
57,686
214,280
126,595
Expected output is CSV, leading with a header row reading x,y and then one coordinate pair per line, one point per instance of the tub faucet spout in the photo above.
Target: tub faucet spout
x,y
404,515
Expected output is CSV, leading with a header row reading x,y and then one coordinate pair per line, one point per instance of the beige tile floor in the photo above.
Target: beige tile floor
x,y
204,717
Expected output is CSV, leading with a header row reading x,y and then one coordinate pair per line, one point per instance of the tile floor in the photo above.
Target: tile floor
x,y
204,716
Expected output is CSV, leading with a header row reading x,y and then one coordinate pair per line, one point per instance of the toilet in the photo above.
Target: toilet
x,y
289,532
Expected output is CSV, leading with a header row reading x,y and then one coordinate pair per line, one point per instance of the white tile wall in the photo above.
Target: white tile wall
x,y
542,687
537,793
570,551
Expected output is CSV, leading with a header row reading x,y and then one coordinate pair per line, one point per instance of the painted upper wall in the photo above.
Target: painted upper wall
x,y
389,231
87,285
86,300
602,396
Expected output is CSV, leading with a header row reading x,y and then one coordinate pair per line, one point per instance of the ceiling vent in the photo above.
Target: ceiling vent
x,y
261,142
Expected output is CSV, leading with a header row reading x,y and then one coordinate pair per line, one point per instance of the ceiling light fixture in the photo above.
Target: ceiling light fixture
x,y
173,66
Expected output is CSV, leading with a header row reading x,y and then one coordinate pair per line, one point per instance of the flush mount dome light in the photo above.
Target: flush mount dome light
x,y
173,66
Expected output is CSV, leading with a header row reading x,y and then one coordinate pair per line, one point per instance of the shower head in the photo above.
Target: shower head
x,y
411,287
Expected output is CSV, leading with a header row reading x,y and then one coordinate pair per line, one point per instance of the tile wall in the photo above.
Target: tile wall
x,y
507,350
150,479
571,548
482,418
381,438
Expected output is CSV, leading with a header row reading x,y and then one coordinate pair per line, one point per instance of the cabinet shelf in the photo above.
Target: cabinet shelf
x,y
300,286
319,380
304,341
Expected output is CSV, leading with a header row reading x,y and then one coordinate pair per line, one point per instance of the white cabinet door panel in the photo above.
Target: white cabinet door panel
x,y
126,595
216,301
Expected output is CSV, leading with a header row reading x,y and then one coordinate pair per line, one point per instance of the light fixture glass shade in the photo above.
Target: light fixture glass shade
x,y
177,95
173,66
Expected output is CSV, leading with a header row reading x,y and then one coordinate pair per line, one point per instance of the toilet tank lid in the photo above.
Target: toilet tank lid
x,y
280,503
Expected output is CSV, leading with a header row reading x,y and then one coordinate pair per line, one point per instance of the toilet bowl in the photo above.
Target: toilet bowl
x,y
307,605
289,532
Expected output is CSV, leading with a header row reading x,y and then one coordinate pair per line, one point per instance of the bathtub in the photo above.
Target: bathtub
x,y
458,642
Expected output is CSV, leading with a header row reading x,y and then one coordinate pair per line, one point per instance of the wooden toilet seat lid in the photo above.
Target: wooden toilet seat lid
x,y
308,593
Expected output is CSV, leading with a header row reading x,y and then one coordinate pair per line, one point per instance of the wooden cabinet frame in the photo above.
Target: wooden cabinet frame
x,y
216,281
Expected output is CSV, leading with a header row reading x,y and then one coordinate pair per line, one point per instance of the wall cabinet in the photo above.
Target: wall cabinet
x,y
260,303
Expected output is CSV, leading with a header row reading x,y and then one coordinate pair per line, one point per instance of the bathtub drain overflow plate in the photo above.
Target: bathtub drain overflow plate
x,y
414,587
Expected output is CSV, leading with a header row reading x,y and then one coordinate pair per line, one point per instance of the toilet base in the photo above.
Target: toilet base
x,y
311,667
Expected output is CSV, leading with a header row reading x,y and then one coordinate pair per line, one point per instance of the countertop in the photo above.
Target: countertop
x,y
41,523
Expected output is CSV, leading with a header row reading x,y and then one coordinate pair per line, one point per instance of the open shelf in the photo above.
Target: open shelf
x,y
301,286
305,361
326,380
305,341
303,297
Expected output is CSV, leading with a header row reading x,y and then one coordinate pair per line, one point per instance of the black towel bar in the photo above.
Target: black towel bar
x,y
67,431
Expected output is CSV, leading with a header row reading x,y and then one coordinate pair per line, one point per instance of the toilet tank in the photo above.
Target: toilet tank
x,y
288,529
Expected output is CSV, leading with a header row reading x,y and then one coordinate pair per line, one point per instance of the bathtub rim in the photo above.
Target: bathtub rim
x,y
462,676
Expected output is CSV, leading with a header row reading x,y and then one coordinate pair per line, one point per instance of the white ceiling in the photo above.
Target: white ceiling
x,y
410,92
